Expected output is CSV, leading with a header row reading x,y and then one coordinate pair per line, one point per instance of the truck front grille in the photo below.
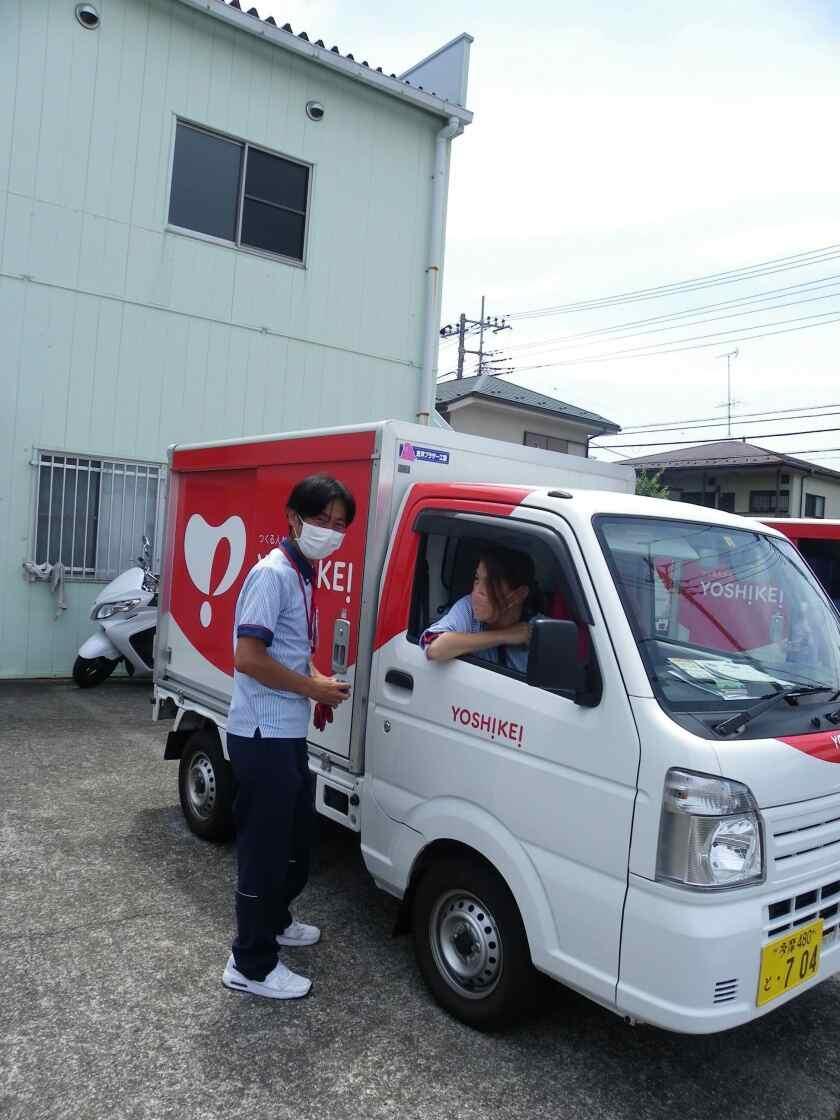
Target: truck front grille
x,y
792,842
797,910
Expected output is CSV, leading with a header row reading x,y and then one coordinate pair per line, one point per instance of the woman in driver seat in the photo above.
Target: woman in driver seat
x,y
493,621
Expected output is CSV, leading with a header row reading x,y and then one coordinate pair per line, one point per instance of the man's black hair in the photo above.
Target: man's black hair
x,y
312,495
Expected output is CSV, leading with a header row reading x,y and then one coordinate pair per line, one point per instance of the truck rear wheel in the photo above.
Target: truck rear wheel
x,y
205,787
470,944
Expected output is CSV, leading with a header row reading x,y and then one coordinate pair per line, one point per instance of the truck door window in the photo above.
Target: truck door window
x,y
444,575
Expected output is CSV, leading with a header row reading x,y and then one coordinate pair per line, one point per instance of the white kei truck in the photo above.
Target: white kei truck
x,y
650,814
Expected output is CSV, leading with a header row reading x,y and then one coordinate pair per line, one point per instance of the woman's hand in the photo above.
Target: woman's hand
x,y
518,635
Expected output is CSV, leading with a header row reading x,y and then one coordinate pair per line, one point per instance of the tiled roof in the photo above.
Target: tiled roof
x,y
496,388
287,27
725,453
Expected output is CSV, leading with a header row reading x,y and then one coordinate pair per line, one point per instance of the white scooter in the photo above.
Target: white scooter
x,y
126,611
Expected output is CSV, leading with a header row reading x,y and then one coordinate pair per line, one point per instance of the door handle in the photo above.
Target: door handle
x,y
399,679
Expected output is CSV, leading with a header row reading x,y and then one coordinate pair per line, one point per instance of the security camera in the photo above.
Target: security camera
x,y
87,16
315,110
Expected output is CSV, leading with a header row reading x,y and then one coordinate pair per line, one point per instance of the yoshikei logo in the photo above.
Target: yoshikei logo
x,y
835,738
492,727
201,544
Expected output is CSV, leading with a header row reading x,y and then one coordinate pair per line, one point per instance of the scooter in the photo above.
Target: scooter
x,y
126,611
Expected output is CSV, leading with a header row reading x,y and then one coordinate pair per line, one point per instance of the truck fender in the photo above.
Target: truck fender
x,y
186,721
99,645
446,821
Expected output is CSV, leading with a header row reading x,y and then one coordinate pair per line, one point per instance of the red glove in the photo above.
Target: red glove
x,y
323,716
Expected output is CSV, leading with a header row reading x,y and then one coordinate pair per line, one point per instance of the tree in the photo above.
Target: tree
x,y
649,485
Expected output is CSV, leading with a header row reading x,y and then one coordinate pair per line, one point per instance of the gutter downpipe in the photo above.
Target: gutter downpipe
x,y
431,330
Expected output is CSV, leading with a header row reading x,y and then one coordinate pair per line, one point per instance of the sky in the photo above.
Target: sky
x,y
616,148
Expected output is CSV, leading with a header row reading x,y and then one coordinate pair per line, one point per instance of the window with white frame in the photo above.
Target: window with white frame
x,y
91,513
237,192
547,443
814,505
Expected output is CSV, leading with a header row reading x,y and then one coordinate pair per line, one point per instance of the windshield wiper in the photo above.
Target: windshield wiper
x,y
735,724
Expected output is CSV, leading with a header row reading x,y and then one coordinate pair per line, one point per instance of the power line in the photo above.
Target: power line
x,y
701,322
658,350
729,276
654,424
715,439
766,419
547,343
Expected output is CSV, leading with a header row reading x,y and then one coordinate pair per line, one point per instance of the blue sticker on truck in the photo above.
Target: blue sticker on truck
x,y
411,453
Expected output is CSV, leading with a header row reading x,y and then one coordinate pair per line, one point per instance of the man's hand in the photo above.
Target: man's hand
x,y
328,690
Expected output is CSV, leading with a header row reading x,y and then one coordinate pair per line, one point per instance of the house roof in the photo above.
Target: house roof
x,y
725,453
487,387
446,103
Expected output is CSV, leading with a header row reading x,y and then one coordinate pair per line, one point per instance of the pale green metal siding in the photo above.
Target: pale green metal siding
x,y
120,337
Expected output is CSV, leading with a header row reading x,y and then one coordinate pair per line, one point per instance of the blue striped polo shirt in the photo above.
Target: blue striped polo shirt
x,y
271,607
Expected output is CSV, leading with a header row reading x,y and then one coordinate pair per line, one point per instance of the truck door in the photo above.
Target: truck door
x,y
556,777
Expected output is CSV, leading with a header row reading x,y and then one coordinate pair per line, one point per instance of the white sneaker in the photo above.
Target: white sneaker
x,y
281,982
299,933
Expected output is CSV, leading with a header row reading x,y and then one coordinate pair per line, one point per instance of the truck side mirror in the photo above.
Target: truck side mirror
x,y
554,658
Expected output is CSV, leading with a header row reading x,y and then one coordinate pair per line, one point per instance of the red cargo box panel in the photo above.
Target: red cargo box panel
x,y
227,510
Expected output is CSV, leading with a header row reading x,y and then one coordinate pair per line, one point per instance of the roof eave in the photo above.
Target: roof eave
x,y
799,465
601,423
393,87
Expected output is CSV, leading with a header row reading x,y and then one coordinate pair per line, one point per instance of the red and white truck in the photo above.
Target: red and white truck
x,y
650,813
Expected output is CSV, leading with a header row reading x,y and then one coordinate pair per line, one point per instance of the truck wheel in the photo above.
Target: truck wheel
x,y
88,671
205,787
471,945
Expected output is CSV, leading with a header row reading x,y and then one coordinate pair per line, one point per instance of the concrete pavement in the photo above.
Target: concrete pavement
x,y
116,924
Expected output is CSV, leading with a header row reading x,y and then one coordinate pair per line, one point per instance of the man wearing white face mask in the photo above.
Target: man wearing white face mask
x,y
274,681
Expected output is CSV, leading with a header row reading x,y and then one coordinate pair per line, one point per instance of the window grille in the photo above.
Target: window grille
x,y
91,513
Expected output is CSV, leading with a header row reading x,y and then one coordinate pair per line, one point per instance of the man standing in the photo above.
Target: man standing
x,y
274,680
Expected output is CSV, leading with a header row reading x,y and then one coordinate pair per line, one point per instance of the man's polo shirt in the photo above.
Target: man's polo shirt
x,y
271,607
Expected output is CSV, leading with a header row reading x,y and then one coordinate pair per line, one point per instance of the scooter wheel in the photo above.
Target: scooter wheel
x,y
88,671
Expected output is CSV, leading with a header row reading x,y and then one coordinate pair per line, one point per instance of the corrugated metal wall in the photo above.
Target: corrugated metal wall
x,y
118,337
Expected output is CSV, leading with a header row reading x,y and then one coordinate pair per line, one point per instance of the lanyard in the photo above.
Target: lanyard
x,y
311,611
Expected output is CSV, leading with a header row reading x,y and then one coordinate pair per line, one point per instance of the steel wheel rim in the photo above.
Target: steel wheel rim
x,y
466,945
201,785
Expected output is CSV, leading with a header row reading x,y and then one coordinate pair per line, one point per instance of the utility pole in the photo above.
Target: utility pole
x,y
462,330
467,327
729,355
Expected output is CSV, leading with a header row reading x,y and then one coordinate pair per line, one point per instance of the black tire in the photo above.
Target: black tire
x,y
205,787
88,671
470,944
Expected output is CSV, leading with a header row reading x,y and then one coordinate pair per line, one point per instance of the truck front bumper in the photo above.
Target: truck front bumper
x,y
690,960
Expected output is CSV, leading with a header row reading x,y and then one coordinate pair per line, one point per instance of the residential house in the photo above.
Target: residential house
x,y
484,405
744,478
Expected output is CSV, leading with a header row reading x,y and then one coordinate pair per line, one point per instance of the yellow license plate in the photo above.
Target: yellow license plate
x,y
789,961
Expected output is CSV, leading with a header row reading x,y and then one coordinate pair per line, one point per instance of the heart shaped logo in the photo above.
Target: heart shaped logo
x,y
201,540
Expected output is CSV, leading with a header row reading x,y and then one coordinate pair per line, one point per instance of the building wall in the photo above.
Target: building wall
x,y
120,336
494,421
741,483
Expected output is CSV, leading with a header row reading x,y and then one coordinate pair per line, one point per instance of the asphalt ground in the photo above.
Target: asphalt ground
x,y
116,923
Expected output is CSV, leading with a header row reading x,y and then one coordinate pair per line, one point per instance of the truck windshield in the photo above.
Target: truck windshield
x,y
722,616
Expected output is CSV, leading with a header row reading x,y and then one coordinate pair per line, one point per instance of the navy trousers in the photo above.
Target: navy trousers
x,y
273,814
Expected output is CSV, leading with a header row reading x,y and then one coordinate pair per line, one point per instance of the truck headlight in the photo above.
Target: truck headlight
x,y
106,610
710,832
